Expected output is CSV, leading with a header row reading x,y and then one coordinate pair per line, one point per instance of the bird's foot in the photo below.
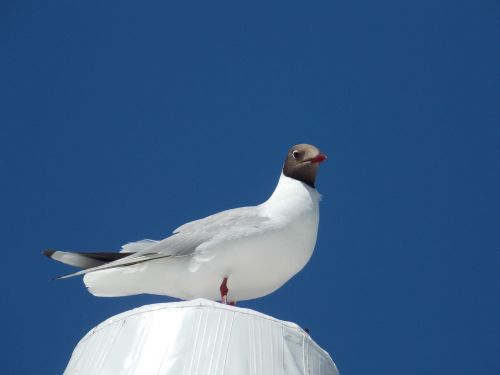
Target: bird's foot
x,y
223,291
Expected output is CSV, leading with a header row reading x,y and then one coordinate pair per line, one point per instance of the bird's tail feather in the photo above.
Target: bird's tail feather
x,y
89,262
83,260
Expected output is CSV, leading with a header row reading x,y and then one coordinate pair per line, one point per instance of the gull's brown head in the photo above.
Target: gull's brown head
x,y
302,163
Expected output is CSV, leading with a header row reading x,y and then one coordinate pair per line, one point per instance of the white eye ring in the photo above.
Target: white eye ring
x,y
295,154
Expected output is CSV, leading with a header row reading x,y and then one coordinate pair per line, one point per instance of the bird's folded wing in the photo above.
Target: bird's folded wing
x,y
187,238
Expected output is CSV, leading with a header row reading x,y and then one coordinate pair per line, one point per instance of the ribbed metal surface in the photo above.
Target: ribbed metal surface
x,y
197,337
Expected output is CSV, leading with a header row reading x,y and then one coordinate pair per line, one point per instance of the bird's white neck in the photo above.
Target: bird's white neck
x,y
292,196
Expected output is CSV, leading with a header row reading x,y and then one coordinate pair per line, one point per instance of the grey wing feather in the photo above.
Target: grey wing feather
x,y
189,236
134,247
243,216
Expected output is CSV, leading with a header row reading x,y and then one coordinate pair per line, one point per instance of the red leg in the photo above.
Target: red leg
x,y
223,291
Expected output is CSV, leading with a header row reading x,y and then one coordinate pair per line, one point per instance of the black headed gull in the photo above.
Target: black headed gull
x,y
238,254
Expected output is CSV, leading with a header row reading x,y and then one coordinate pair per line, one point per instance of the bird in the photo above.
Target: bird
x,y
234,255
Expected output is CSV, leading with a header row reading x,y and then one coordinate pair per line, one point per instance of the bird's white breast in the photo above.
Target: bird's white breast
x,y
294,210
260,263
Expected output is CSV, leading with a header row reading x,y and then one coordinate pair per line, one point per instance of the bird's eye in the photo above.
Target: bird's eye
x,y
295,154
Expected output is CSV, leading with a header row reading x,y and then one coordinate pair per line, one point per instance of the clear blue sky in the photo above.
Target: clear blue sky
x,y
121,121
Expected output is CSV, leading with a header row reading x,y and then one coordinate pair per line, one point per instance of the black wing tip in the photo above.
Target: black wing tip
x,y
48,253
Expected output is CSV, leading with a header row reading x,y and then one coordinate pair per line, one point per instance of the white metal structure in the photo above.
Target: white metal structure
x,y
198,337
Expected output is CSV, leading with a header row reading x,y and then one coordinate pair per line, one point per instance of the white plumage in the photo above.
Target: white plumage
x,y
257,248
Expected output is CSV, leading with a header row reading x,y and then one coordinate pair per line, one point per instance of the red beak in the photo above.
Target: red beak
x,y
318,158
